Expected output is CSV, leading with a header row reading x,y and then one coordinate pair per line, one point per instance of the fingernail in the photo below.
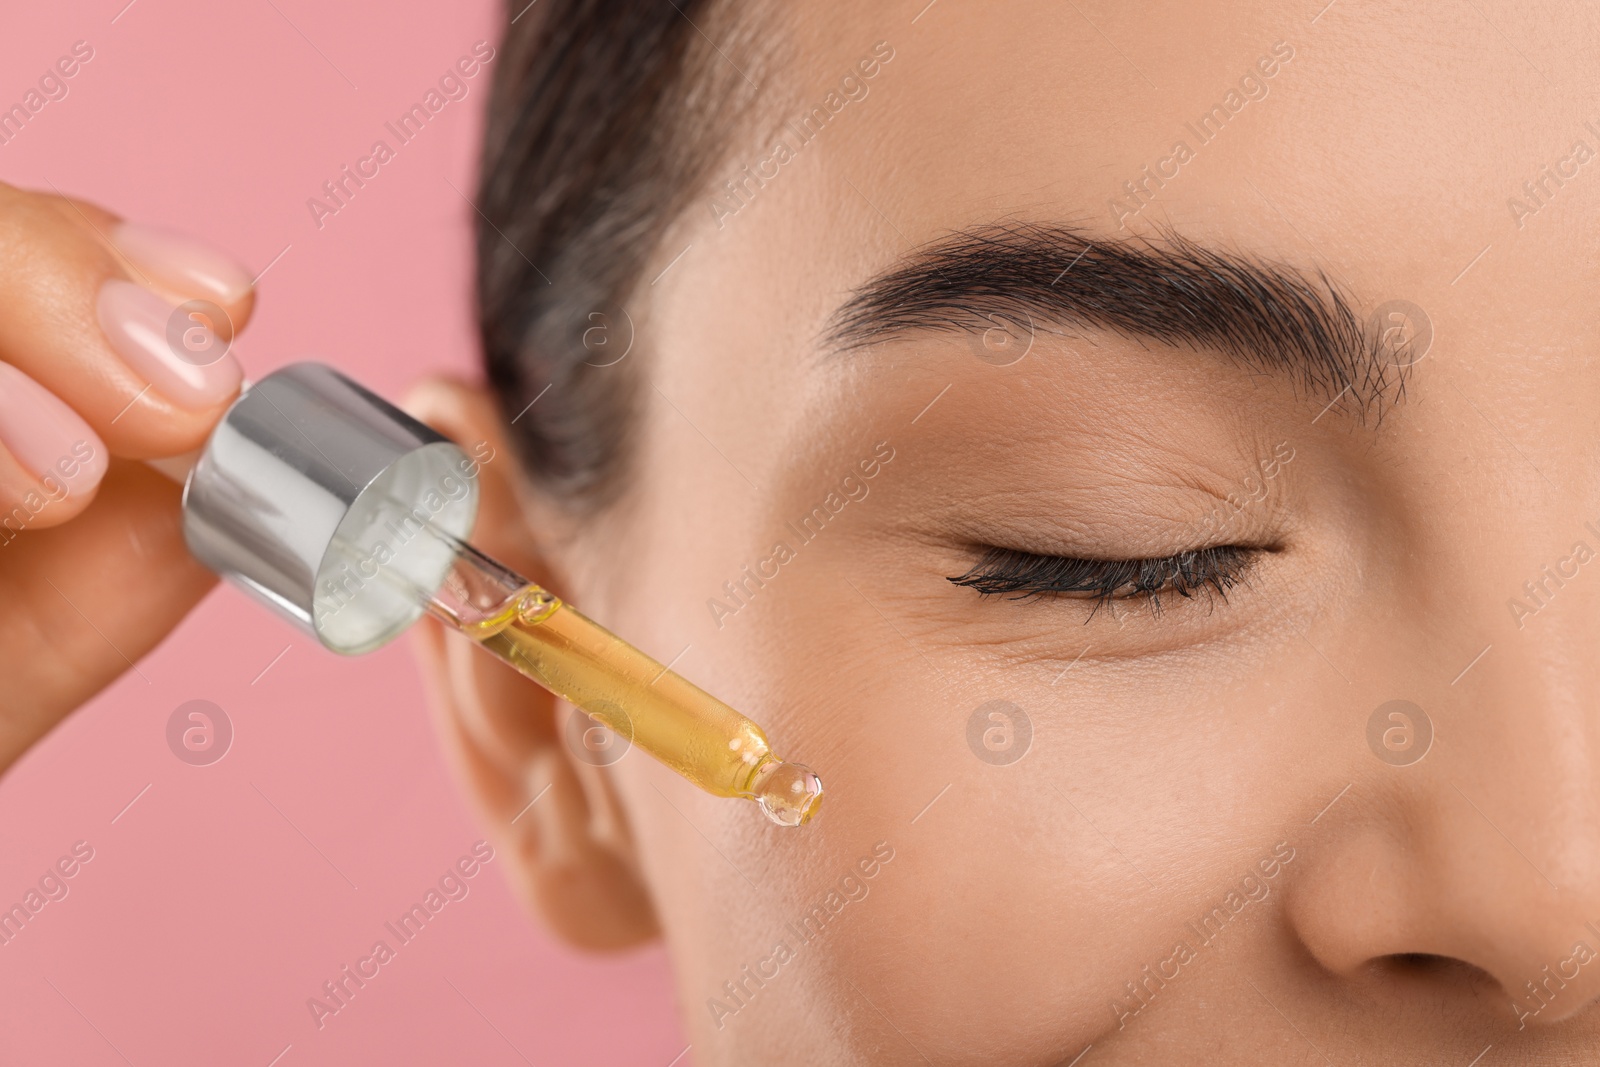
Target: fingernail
x,y
182,264
49,439
173,348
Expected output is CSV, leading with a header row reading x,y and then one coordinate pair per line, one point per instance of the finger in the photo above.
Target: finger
x,y
99,327
51,461
87,600
185,270
169,262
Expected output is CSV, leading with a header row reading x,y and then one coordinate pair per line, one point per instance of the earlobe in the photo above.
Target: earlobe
x,y
500,730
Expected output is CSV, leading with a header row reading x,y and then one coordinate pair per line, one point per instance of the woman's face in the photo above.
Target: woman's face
x,y
1176,830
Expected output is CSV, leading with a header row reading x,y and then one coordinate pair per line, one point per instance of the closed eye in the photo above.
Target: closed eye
x,y
1018,575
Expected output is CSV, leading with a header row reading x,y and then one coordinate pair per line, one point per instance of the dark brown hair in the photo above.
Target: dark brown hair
x,y
603,116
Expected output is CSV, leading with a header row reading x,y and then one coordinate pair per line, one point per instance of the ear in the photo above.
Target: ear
x,y
560,817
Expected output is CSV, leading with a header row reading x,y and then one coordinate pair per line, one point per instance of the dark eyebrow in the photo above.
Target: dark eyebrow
x,y
1267,316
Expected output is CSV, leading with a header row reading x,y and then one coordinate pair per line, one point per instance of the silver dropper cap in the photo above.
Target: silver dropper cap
x,y
322,499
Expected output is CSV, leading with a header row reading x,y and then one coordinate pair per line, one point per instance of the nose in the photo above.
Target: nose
x,y
1473,872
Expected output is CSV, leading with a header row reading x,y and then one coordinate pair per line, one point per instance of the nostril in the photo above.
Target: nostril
x,y
1424,962
1436,970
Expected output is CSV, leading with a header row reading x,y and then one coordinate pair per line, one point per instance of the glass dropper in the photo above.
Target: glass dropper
x,y
638,699
349,518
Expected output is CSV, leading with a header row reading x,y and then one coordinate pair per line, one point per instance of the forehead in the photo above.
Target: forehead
x,y
1421,153
1406,108
1331,130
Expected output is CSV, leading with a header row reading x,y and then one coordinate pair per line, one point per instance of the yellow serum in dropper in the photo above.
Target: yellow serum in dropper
x,y
641,701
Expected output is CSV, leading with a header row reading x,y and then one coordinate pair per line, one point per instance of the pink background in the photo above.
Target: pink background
x,y
224,896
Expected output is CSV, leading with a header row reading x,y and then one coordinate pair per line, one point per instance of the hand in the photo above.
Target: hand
x,y
99,368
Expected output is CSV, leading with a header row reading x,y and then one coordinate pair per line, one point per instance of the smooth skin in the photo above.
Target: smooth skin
x,y
1214,754
1176,758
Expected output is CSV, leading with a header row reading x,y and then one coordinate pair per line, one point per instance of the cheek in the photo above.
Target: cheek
x,y
1057,800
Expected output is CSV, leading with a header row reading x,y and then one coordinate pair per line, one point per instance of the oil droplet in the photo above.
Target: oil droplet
x,y
790,794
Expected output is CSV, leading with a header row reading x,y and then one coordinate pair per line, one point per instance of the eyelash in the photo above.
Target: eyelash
x,y
1019,575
